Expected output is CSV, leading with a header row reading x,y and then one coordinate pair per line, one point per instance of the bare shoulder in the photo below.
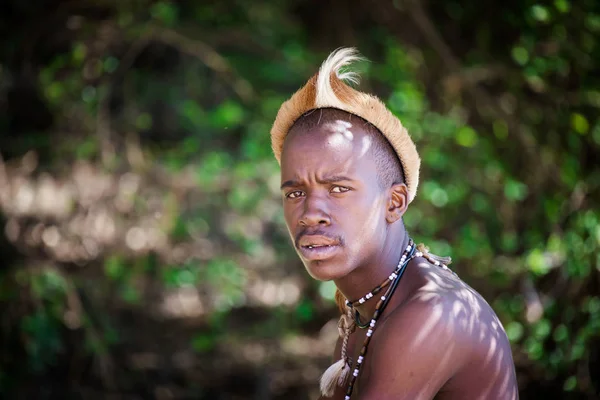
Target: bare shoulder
x,y
462,311
443,334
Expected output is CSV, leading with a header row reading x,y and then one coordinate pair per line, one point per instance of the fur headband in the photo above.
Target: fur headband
x,y
327,89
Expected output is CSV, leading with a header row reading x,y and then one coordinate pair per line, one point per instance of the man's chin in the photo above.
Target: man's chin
x,y
324,270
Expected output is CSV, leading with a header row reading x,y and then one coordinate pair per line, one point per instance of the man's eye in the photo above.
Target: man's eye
x,y
339,189
294,195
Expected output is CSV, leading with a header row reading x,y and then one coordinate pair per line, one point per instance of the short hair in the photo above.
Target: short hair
x,y
389,168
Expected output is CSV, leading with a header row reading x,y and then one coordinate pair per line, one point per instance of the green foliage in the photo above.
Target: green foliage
x,y
509,183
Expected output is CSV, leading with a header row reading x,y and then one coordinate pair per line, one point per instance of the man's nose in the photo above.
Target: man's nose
x,y
315,213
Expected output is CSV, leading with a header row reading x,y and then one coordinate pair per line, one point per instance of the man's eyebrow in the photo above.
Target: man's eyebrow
x,y
327,179
290,183
335,178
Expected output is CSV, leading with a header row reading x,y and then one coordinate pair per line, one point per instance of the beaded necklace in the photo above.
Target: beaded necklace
x,y
397,273
394,278
338,373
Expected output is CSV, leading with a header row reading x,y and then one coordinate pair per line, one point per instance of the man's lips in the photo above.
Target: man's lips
x,y
311,241
317,247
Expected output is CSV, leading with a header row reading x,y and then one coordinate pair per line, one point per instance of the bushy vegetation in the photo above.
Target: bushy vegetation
x,y
144,250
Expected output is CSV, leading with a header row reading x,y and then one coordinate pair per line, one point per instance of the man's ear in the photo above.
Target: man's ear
x,y
397,203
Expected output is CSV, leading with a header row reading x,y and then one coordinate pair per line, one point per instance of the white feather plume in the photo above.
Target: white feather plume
x,y
335,375
339,58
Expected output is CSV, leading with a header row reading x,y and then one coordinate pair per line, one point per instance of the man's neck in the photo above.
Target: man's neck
x,y
366,277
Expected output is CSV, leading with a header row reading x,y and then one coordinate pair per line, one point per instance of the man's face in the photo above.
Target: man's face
x,y
334,207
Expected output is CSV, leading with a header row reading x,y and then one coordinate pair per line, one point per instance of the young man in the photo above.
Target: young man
x,y
349,170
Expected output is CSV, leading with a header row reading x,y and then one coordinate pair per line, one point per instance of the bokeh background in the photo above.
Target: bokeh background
x,y
143,250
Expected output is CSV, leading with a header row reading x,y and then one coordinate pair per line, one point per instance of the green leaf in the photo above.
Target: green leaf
x,y
537,262
110,64
500,129
561,333
520,55
514,331
203,343
439,197
305,311
165,12
88,94
193,115
593,305
114,267
54,91
228,115
130,294
562,5
592,22
570,383
534,349
540,13
79,52
515,191
143,122
466,136
542,329
211,168
579,123
509,241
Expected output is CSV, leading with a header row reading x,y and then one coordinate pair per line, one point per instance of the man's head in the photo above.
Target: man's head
x,y
349,169
343,192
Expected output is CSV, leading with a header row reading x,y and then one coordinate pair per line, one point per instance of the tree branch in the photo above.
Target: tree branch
x,y
207,55
481,97
193,47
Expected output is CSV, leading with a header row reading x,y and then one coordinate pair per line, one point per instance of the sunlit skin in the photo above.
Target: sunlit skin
x,y
437,338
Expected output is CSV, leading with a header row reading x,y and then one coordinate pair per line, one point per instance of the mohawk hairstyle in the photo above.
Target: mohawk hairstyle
x,y
327,89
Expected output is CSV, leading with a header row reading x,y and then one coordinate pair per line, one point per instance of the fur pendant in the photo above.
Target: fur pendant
x,y
335,375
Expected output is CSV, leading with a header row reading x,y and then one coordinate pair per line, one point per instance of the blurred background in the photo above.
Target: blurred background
x,y
142,244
